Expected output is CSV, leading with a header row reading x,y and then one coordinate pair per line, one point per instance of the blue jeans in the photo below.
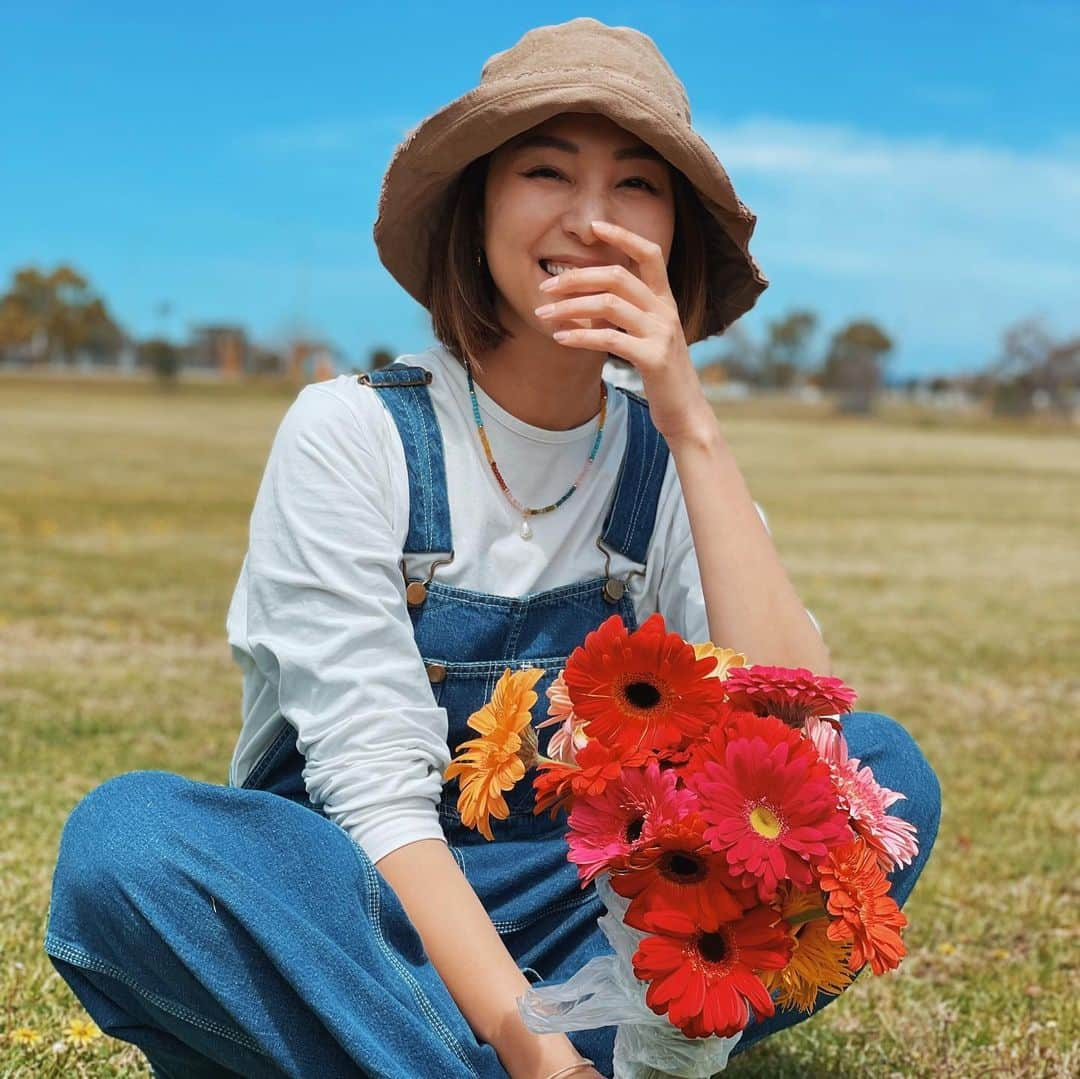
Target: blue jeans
x,y
233,931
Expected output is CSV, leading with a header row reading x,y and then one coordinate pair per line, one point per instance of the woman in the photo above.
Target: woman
x,y
479,505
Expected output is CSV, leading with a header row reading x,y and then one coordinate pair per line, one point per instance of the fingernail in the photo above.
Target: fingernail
x,y
544,309
551,282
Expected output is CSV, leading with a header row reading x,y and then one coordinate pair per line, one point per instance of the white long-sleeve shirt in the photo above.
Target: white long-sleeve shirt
x,y
318,622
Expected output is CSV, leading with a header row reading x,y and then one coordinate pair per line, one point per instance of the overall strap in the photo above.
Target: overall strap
x,y
404,391
629,524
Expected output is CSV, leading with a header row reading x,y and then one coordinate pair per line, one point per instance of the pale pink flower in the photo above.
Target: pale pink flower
x,y
570,737
567,741
891,837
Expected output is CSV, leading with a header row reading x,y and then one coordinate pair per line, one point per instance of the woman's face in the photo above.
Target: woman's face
x,y
545,187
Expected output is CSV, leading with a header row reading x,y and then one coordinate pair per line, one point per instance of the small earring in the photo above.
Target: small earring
x,y
479,256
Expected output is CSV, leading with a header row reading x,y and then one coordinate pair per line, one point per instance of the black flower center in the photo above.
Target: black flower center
x,y
713,947
642,694
633,829
683,868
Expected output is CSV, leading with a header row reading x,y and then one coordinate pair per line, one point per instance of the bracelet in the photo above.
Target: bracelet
x,y
584,1062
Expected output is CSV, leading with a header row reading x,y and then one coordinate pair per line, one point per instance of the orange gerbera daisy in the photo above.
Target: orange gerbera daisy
x,y
818,963
495,761
645,690
865,913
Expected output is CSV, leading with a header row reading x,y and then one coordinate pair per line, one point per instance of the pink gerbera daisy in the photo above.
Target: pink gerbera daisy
x,y
892,838
769,802
790,694
606,827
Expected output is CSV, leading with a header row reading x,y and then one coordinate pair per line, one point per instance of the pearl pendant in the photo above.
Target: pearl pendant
x,y
525,531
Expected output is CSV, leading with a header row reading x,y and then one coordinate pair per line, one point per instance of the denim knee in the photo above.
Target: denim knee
x,y
107,842
898,763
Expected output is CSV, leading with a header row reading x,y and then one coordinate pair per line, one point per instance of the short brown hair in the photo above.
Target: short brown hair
x,y
461,293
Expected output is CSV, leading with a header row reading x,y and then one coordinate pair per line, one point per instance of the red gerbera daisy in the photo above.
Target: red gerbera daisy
x,y
677,869
645,689
789,693
867,915
556,784
551,787
605,828
769,802
702,976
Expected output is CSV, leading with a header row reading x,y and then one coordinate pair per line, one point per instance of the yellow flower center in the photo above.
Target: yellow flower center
x,y
765,822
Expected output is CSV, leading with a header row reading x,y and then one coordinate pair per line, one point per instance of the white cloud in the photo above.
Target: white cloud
x,y
944,241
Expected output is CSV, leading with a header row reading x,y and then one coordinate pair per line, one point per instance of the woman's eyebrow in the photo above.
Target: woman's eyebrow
x,y
638,151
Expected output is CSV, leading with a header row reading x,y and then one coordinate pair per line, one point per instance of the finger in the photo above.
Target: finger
x,y
591,279
648,254
603,306
634,350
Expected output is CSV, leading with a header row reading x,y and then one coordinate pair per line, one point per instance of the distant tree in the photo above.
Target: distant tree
x,y
785,352
854,365
1031,364
740,358
161,356
380,357
55,314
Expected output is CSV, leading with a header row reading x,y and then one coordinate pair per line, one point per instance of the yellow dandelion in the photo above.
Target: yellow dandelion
x,y
24,1036
725,658
817,964
495,761
82,1031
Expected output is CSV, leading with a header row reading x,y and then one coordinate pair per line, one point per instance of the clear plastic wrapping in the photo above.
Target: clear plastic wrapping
x,y
605,992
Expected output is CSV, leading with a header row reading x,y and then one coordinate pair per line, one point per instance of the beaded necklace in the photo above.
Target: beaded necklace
x,y
525,531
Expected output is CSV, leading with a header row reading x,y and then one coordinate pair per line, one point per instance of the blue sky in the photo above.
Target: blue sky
x,y
914,163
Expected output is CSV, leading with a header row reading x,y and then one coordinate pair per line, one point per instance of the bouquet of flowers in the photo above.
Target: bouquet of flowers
x,y
740,851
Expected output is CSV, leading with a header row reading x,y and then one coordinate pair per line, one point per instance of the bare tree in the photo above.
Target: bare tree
x,y
1033,363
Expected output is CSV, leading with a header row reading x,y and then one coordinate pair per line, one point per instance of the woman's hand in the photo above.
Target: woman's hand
x,y
644,328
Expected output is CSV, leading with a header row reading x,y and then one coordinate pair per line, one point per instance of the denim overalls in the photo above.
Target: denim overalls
x,y
238,931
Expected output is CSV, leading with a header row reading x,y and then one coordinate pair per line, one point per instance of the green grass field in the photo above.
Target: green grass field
x,y
942,562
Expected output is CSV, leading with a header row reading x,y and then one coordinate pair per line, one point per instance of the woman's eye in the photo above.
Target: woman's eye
x,y
537,172
545,170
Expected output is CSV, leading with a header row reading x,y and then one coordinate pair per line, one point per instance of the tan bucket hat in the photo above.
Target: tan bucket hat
x,y
577,66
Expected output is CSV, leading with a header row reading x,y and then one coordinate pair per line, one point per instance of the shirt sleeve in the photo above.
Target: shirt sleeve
x,y
680,595
328,625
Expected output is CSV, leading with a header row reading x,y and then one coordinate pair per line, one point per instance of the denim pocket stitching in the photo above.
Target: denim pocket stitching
x,y
435,1021
77,957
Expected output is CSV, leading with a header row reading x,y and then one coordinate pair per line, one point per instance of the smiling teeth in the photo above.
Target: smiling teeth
x,y
554,268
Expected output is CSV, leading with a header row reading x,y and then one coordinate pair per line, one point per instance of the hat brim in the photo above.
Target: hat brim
x,y
435,152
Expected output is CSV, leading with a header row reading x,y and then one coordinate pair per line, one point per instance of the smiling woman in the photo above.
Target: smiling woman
x,y
480,505
463,298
